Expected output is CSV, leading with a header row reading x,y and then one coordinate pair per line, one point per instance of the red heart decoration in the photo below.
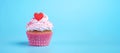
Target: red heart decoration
x,y
38,16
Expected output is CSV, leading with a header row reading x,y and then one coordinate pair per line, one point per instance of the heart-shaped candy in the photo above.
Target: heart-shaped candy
x,y
38,16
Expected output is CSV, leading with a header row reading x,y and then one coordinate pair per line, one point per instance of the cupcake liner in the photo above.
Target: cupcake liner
x,y
39,39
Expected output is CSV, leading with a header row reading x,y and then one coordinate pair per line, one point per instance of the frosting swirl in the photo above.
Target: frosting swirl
x,y
39,25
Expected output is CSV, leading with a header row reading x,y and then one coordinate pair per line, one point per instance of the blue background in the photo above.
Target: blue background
x,y
80,26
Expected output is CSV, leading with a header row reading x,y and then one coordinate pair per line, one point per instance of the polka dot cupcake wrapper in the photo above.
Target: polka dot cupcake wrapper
x,y
39,40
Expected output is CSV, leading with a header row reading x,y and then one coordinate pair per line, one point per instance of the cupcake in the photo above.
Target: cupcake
x,y
39,30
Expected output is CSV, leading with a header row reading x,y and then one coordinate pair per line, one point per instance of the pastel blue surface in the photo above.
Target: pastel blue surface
x,y
80,26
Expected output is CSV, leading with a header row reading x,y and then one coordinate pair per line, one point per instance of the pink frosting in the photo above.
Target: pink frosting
x,y
41,25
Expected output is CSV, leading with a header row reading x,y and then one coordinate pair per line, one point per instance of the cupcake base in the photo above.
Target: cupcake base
x,y
38,38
